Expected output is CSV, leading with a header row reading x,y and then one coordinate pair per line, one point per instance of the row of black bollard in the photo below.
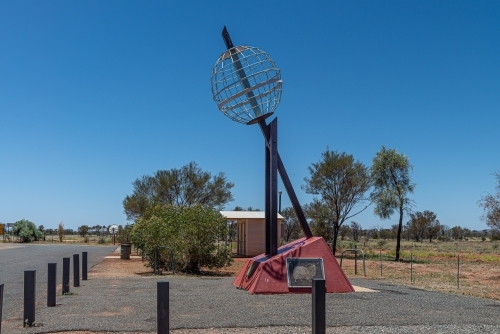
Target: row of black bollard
x,y
30,286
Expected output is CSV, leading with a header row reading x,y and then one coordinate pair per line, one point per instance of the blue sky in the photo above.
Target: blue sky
x,y
94,94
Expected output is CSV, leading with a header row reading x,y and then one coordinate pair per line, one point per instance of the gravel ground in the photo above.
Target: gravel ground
x,y
214,305
107,304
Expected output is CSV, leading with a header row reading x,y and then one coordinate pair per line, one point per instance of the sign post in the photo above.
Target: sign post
x,y
112,230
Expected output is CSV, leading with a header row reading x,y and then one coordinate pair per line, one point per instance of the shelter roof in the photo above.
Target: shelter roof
x,y
246,214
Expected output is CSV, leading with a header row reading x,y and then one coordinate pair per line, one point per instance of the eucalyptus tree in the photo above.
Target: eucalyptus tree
x,y
341,183
423,224
391,186
187,186
291,224
491,206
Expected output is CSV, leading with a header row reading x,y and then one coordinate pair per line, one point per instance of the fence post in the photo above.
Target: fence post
x,y
318,306
29,297
84,266
156,256
65,280
355,260
458,272
51,284
1,306
76,270
380,256
411,268
162,307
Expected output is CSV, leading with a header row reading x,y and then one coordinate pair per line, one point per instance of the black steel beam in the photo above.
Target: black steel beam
x,y
273,185
288,186
267,188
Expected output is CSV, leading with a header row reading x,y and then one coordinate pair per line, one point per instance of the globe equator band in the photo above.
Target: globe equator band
x,y
242,103
247,90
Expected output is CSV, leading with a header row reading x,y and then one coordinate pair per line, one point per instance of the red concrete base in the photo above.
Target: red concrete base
x,y
263,274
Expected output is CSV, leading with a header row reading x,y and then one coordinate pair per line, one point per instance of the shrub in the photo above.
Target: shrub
x,y
191,232
381,243
26,231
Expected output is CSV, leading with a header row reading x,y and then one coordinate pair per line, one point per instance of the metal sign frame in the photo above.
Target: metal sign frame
x,y
292,263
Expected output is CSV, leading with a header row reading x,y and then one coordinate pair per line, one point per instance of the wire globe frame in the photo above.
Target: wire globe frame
x,y
246,84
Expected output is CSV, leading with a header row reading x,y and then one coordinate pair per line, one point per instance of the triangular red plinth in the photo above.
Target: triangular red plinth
x,y
268,274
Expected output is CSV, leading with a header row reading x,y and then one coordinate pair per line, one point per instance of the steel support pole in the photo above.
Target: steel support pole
x,y
288,187
51,284
29,297
458,272
273,175
65,280
267,188
84,266
162,307
1,306
76,270
318,306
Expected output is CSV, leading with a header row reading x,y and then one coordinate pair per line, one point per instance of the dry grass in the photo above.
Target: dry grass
x,y
435,266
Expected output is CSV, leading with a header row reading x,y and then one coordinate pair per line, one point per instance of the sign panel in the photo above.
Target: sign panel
x,y
301,271
113,229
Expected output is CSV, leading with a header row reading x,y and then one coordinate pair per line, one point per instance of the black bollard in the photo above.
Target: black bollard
x,y
65,280
76,270
51,285
162,307
29,297
318,306
84,266
1,306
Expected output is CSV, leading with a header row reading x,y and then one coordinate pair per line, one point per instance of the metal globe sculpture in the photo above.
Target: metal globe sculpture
x,y
246,84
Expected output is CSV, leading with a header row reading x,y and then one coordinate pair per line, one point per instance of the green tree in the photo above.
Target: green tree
x,y
291,224
191,232
491,206
321,219
83,230
60,231
344,231
422,225
341,182
392,185
26,230
187,186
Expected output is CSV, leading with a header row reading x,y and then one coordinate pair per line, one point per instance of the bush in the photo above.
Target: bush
x,y
381,243
26,231
191,232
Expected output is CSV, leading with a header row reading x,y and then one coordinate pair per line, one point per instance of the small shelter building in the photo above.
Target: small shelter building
x,y
251,231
